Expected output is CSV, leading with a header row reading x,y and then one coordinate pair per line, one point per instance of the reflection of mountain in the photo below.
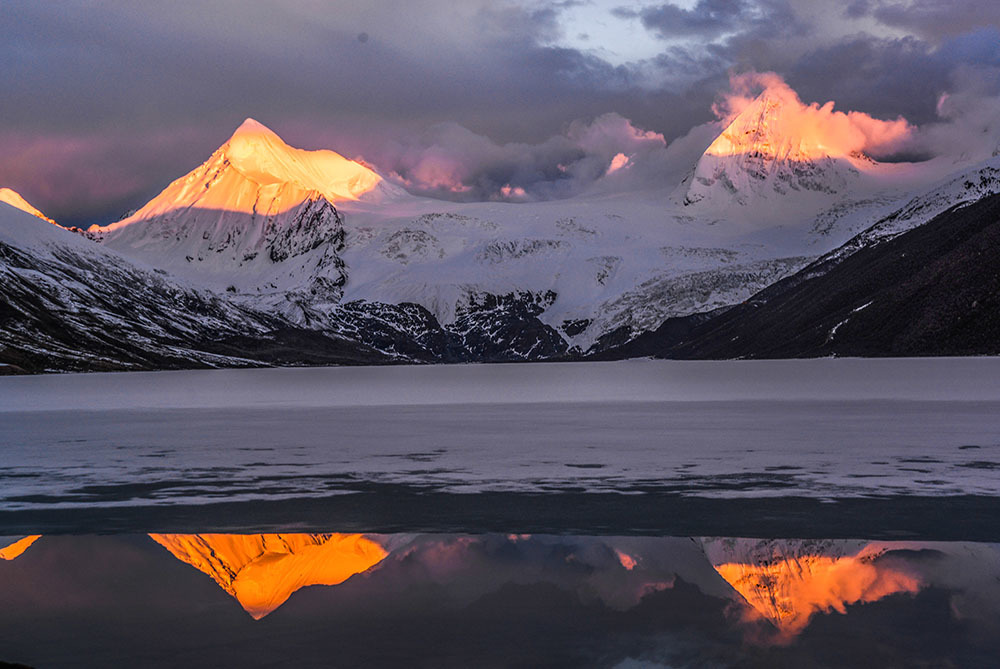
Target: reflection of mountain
x,y
12,549
262,570
787,581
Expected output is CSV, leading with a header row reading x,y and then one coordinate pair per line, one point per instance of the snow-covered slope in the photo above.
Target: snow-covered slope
x,y
67,303
257,219
320,242
763,154
14,199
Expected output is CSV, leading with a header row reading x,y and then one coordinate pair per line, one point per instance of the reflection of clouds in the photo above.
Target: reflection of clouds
x,y
789,591
788,582
496,600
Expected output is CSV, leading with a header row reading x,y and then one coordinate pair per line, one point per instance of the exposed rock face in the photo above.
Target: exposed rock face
x,y
930,291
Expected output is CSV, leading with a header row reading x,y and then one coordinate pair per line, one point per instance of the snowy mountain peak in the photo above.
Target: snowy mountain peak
x,y
770,148
259,154
253,219
764,129
14,199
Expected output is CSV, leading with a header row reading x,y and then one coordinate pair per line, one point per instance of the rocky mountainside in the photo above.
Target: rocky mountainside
x,y
933,290
268,254
70,305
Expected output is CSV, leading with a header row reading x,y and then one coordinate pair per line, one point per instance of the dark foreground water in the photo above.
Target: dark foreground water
x,y
518,515
445,600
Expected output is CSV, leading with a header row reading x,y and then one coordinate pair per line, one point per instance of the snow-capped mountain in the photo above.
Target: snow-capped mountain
x,y
256,218
72,305
765,154
284,255
313,237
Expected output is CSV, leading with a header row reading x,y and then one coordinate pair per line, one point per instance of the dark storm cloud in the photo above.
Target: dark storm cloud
x,y
708,19
106,102
931,19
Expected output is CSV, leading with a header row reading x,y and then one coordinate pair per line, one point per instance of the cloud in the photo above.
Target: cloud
x,y
93,87
820,127
452,162
931,19
708,19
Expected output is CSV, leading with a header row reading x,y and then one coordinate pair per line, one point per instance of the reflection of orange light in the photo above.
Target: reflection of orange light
x,y
263,570
789,591
14,199
626,560
15,549
794,130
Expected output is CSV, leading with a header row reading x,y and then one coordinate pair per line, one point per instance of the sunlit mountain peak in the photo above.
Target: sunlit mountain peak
x,y
14,199
766,129
774,145
263,570
260,155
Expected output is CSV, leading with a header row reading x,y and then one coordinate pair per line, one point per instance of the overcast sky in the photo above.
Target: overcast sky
x,y
106,102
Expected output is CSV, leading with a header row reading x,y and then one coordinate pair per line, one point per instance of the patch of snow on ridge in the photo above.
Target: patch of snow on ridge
x,y
14,199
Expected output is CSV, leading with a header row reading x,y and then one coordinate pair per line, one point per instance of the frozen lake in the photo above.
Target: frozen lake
x,y
821,430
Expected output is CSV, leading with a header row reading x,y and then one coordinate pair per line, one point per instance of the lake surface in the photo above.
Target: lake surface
x,y
806,447
635,514
489,600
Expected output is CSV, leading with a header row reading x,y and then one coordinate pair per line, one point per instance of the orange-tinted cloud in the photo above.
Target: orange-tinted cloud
x,y
789,591
822,129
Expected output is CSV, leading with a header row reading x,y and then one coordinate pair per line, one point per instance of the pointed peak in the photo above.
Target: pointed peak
x,y
253,127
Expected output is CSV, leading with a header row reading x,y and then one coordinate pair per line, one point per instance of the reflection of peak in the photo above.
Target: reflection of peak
x,y
14,199
12,549
262,570
787,581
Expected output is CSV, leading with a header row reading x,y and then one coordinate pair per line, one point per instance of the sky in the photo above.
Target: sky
x,y
106,102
